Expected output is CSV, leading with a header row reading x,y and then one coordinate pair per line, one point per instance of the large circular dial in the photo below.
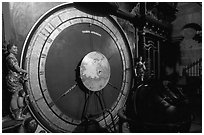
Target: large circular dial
x,y
79,68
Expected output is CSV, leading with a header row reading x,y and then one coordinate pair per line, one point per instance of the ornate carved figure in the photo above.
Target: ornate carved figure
x,y
140,69
15,82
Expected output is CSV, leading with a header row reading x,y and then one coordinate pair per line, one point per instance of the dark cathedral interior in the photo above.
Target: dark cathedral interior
x,y
102,67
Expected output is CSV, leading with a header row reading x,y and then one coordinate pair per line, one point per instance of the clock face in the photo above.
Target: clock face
x,y
78,66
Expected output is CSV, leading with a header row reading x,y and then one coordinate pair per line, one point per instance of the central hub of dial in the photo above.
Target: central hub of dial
x,y
95,71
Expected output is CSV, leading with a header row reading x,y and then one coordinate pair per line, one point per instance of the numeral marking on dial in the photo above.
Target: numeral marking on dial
x,y
49,40
51,104
41,73
51,26
47,31
43,55
44,90
59,29
60,18
61,114
39,99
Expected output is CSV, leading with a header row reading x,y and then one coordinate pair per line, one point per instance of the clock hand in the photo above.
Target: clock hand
x,y
113,86
111,56
71,88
